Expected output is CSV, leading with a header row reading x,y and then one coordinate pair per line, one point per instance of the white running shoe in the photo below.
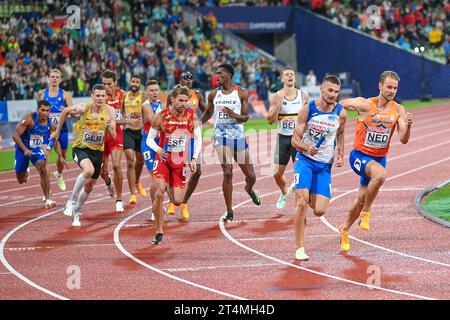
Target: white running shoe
x,y
68,209
50,194
110,190
49,203
119,206
152,218
301,255
76,218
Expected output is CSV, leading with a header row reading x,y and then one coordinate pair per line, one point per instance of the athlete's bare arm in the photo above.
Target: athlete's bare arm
x,y
68,98
210,107
112,122
23,126
169,100
157,125
201,101
147,113
75,110
243,117
360,105
41,94
405,120
274,108
297,137
340,138
305,98
197,144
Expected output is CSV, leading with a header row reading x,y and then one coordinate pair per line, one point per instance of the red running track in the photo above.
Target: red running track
x,y
250,258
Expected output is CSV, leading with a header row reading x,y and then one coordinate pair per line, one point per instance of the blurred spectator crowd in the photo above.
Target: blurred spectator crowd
x,y
148,38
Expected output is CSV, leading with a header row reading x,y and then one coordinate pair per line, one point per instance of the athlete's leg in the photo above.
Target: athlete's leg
x,y
45,181
116,157
21,164
355,209
160,187
280,178
377,174
243,159
302,200
131,174
192,183
139,165
225,156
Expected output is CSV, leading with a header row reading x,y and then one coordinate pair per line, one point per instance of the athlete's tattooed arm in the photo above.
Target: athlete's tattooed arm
x,y
340,138
297,137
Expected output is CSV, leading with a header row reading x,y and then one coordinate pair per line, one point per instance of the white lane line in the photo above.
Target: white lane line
x,y
368,286
332,227
160,271
237,266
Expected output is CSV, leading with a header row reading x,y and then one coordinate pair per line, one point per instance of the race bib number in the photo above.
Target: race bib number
x,y
224,118
314,134
377,137
93,137
296,178
176,143
287,125
146,155
155,164
36,140
54,118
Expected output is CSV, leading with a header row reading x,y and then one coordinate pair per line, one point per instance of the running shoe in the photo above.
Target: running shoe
x,y
228,217
119,206
255,197
68,209
158,238
60,180
345,241
76,218
184,211
50,194
141,189
281,201
110,190
133,199
152,217
49,203
171,208
364,222
301,255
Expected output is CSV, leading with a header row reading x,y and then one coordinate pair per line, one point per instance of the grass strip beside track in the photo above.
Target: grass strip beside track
x,y
438,203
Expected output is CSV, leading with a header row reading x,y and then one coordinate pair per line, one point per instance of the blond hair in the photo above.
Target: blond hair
x,y
179,89
389,74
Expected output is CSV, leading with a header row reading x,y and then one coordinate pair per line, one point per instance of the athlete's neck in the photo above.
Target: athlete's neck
x,y
290,90
153,101
113,94
382,102
53,90
324,106
96,108
228,86
176,113
133,94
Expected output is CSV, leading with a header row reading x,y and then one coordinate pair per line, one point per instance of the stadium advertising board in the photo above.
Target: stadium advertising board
x,y
251,19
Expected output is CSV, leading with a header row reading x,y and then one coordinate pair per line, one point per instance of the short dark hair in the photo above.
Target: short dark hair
x,y
332,78
136,76
43,103
228,68
151,83
98,86
108,74
388,74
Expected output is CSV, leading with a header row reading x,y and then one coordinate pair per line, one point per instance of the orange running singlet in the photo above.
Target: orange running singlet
x,y
193,101
373,134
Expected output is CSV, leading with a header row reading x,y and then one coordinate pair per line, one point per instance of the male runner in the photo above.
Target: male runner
x,y
31,138
284,107
196,101
320,126
229,104
377,119
175,125
132,137
150,108
96,118
59,99
114,147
